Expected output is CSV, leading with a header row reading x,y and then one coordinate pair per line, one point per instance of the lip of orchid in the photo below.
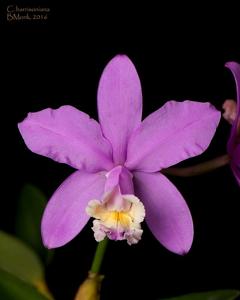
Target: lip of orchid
x,y
117,216
118,219
130,152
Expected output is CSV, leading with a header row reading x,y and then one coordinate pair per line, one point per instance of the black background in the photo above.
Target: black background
x,y
179,54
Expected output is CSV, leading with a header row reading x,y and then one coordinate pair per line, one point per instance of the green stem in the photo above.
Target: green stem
x,y
98,257
199,169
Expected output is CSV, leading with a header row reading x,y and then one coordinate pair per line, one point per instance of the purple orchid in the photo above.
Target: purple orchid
x,y
118,160
232,115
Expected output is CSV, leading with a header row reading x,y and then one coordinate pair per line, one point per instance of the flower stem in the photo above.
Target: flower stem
x,y
98,257
199,169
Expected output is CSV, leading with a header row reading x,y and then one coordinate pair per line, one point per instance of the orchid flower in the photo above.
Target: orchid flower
x,y
117,181
232,115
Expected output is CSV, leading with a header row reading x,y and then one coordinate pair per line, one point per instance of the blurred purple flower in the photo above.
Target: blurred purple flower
x,y
118,158
232,115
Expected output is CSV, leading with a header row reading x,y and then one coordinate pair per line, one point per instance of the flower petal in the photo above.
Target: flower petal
x,y
235,163
119,104
65,215
175,132
167,214
67,135
235,69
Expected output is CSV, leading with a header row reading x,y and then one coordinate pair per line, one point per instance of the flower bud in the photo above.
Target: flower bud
x,y
90,288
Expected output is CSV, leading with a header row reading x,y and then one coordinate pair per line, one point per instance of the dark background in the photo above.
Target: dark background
x,y
179,55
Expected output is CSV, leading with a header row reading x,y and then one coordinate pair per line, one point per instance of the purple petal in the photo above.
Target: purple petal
x,y
175,132
235,69
64,216
119,104
235,163
167,213
67,135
